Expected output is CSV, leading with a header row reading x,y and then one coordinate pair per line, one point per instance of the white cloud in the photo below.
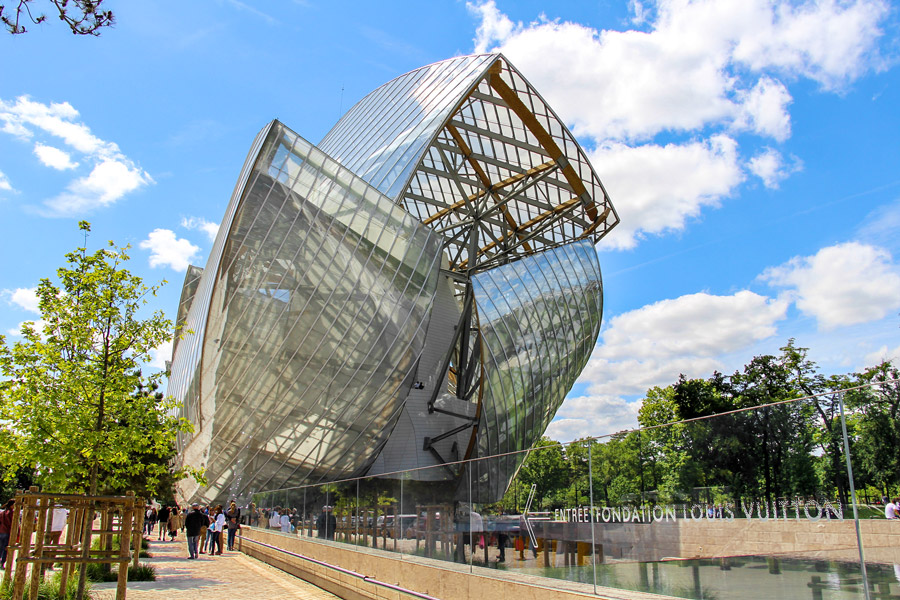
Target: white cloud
x,y
166,249
689,68
55,119
5,185
112,174
841,285
24,298
494,26
210,229
161,355
883,354
655,189
107,182
652,345
764,109
38,326
704,69
880,226
54,157
830,42
590,416
769,166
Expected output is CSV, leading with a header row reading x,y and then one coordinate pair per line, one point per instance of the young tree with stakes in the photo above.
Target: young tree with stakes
x,y
68,406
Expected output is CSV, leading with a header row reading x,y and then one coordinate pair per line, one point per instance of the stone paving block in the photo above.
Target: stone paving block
x,y
233,575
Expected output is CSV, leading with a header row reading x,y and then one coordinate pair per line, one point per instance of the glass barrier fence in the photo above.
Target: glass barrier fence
x,y
757,503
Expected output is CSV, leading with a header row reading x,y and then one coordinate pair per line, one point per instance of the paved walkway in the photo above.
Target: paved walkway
x,y
226,577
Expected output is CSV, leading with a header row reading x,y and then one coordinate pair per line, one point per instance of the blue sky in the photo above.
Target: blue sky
x,y
750,148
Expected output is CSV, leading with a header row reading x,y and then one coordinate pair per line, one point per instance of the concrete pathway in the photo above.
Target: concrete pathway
x,y
226,577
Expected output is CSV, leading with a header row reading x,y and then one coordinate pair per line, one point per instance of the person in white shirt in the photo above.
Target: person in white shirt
x,y
217,527
275,519
57,524
891,508
285,522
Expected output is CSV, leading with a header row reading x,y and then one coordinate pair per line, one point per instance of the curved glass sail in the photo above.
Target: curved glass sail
x,y
316,320
419,289
383,137
539,318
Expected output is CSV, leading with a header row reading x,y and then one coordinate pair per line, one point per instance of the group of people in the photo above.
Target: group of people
x,y
169,518
290,520
58,517
203,526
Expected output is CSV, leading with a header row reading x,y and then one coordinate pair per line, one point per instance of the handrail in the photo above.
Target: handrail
x,y
365,578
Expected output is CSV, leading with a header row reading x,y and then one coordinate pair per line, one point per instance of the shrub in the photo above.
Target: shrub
x,y
142,572
48,590
100,572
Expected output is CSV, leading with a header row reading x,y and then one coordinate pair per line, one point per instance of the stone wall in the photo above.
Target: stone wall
x,y
444,580
831,539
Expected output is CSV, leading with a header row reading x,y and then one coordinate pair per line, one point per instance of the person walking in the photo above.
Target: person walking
x,y
193,523
218,527
150,519
173,523
204,529
211,529
326,524
232,523
6,516
163,516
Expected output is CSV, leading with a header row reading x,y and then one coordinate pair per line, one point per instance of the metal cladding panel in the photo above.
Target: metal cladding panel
x,y
404,450
539,319
188,290
316,310
184,380
383,137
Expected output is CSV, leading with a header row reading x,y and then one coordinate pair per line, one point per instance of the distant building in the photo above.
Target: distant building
x,y
420,288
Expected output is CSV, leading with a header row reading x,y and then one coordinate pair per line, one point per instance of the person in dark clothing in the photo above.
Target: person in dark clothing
x,y
326,524
193,522
501,545
162,518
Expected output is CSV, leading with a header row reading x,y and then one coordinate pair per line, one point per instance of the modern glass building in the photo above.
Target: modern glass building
x,y
418,289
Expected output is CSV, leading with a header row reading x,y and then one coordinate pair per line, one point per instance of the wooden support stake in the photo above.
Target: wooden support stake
x,y
138,532
43,507
13,533
124,536
25,545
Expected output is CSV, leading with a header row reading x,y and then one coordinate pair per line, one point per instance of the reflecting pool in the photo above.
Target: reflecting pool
x,y
737,578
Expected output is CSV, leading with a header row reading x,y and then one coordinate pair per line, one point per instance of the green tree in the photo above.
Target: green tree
x,y
668,444
877,414
72,404
84,17
546,468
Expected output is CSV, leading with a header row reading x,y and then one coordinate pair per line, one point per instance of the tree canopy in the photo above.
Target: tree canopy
x,y
74,403
765,433
83,17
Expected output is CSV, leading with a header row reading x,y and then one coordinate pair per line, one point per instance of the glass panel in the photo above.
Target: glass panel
x,y
534,348
873,433
749,504
322,295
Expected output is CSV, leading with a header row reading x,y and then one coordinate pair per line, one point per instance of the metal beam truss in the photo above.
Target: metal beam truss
x,y
502,180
